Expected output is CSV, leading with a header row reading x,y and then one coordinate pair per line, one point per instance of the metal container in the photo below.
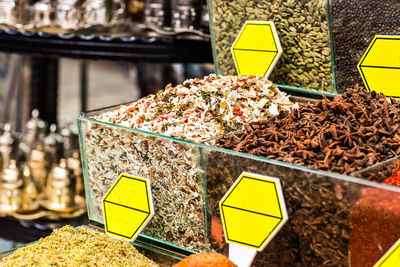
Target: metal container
x,y
43,14
68,14
117,12
155,13
74,163
7,8
38,165
94,12
60,189
11,188
185,14
8,143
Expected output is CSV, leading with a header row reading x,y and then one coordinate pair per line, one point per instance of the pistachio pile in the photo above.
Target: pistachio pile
x,y
303,30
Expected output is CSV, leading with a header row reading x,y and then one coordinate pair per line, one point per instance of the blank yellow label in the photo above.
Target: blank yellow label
x,y
256,49
253,210
128,206
380,66
391,257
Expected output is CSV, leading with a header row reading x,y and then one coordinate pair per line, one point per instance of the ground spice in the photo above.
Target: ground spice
x,y
376,216
394,179
376,226
77,247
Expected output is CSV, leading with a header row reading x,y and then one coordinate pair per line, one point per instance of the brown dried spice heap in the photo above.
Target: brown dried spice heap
x,y
350,133
318,231
77,247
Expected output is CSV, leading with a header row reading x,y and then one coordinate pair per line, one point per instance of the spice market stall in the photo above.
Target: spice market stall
x,y
336,159
318,150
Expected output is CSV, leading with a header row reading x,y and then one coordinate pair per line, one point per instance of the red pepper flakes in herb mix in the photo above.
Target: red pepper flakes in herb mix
x,y
394,179
77,247
200,109
197,110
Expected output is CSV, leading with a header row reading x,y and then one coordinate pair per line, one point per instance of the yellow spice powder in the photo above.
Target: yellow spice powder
x,y
68,246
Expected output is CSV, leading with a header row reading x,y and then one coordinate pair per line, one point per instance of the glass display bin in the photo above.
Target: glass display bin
x,y
303,30
375,209
354,25
322,40
188,179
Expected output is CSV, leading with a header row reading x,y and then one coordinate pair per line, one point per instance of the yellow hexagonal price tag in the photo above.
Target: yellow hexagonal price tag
x,y
128,206
380,66
257,48
252,211
391,257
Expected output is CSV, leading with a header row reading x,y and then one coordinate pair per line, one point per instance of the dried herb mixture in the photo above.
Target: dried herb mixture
x,y
200,109
77,247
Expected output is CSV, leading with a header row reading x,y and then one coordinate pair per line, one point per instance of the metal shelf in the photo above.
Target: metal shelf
x,y
150,49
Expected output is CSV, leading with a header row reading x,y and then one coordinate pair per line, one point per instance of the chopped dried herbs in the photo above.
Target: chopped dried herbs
x,y
77,247
196,109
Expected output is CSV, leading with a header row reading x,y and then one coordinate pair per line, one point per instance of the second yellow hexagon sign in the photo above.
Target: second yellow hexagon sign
x,y
128,206
257,48
253,210
380,65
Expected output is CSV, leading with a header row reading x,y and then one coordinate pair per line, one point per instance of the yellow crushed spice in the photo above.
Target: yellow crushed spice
x,y
68,246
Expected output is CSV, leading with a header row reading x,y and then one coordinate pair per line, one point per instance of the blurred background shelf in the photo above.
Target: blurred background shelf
x,y
45,49
150,49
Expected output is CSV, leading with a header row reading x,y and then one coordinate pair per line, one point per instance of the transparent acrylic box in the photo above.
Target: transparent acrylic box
x,y
322,40
375,216
303,28
186,195
354,25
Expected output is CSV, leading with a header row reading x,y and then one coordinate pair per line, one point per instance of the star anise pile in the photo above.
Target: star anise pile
x,y
349,133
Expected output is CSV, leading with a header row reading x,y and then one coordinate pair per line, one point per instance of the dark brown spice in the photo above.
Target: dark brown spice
x,y
318,230
352,132
354,25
